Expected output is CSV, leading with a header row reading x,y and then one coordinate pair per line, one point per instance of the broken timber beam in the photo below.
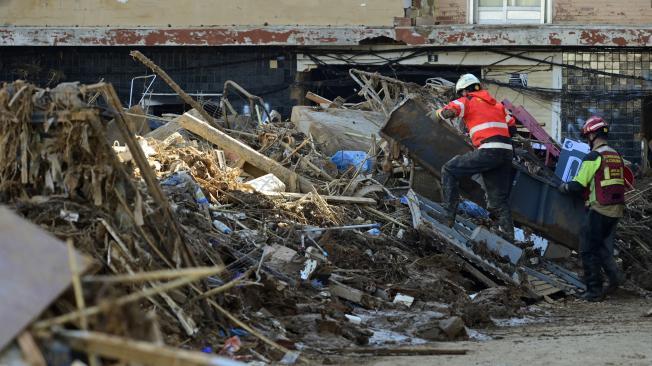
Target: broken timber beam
x,y
253,157
318,99
177,89
338,199
138,352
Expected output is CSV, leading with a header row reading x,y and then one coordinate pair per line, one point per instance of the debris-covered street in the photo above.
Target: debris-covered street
x,y
610,333
175,207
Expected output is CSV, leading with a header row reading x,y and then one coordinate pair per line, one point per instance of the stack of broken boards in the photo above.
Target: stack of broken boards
x,y
180,257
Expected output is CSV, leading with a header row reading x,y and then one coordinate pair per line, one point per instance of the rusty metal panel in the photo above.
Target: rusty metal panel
x,y
443,36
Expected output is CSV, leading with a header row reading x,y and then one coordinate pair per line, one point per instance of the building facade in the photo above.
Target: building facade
x,y
563,60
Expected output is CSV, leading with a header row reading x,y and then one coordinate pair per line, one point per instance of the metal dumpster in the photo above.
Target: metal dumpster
x,y
535,201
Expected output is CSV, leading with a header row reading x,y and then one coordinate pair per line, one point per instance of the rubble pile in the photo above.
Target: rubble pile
x,y
307,273
633,237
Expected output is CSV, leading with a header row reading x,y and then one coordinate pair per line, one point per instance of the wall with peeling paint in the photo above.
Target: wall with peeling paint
x,y
189,13
436,12
451,11
602,12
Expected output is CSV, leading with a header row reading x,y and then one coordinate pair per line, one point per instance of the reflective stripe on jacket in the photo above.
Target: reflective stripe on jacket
x,y
586,177
483,116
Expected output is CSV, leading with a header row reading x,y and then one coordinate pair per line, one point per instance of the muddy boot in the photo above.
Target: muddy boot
x,y
592,296
614,284
593,293
506,225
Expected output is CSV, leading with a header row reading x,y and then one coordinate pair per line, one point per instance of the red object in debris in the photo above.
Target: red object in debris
x,y
231,346
532,125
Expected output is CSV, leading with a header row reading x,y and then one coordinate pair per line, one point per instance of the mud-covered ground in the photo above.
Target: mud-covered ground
x,y
610,333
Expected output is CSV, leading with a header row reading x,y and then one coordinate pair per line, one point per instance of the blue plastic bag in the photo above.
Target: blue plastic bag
x,y
472,209
344,159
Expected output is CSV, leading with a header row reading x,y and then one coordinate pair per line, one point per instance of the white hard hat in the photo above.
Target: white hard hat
x,y
465,81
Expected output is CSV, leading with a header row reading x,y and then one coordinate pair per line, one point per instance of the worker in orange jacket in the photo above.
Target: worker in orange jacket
x,y
490,127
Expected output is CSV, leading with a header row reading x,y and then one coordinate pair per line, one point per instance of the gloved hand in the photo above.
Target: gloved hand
x,y
438,113
563,188
444,113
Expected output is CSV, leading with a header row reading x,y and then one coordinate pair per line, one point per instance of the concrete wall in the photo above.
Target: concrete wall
x,y
602,12
186,13
196,13
541,77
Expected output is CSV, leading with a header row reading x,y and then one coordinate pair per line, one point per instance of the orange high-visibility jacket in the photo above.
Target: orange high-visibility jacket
x,y
484,117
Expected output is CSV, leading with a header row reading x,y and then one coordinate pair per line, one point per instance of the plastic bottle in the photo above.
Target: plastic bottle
x,y
219,225
199,197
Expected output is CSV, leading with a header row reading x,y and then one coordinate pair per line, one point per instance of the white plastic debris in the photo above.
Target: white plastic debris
x,y
267,183
125,155
290,358
403,299
308,269
353,319
69,216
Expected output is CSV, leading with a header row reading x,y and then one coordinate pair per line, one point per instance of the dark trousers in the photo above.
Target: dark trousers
x,y
495,165
596,250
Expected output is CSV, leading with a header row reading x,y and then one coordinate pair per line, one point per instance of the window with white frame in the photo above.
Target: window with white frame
x,y
509,11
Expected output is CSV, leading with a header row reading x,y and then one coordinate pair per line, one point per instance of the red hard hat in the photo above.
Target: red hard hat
x,y
594,124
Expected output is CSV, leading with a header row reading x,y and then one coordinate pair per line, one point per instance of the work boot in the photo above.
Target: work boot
x,y
592,297
593,293
614,284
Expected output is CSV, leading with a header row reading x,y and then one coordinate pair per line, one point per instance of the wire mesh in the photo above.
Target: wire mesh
x,y
625,116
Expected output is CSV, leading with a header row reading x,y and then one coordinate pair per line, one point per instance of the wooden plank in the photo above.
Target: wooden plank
x,y
318,99
383,215
30,350
165,274
338,199
34,271
164,131
547,292
253,157
139,352
479,275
